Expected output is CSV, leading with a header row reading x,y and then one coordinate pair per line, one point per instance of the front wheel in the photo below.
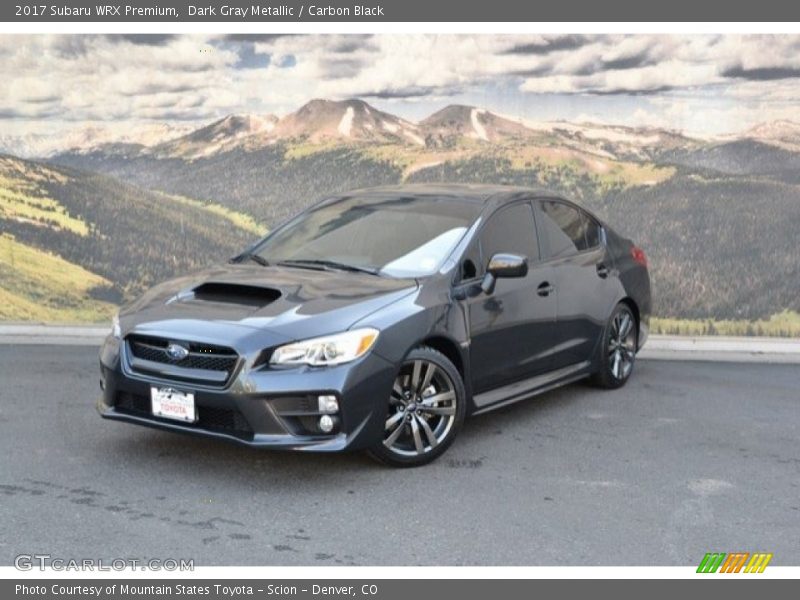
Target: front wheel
x,y
426,409
618,349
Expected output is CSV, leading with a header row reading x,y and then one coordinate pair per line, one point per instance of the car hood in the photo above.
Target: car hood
x,y
232,301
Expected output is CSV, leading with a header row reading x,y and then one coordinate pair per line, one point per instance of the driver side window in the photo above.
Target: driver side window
x,y
510,230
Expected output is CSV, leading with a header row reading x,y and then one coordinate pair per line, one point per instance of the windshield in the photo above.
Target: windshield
x,y
399,237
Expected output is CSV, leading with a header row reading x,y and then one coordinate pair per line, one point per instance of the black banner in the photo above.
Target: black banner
x,y
385,589
374,11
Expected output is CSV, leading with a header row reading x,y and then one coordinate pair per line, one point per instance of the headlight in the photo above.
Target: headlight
x,y
328,350
116,332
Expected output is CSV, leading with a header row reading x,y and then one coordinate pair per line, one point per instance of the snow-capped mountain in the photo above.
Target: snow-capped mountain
x,y
618,141
89,138
29,145
346,120
459,121
357,122
782,133
610,141
215,137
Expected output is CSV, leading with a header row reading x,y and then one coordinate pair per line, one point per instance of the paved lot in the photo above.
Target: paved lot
x,y
688,458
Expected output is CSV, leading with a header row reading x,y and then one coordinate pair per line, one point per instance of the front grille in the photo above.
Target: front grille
x,y
205,363
211,418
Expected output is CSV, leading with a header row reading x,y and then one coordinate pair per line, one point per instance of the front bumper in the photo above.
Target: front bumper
x,y
260,407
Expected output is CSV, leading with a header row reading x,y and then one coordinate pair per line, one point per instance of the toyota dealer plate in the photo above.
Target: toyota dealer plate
x,y
173,404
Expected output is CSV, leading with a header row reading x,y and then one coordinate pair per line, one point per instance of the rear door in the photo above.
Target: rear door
x,y
573,245
511,329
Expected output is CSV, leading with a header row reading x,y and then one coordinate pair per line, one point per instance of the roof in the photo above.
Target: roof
x,y
466,191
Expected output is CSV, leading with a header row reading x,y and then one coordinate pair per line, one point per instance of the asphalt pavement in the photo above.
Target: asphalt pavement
x,y
688,458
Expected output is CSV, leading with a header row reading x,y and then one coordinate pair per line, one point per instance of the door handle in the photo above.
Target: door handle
x,y
545,289
602,271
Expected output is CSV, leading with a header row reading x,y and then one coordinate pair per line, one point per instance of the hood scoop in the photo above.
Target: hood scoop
x,y
234,293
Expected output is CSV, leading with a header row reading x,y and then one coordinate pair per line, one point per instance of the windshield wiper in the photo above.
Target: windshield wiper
x,y
256,258
327,264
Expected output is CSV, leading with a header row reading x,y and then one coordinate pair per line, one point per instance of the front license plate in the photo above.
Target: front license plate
x,y
173,404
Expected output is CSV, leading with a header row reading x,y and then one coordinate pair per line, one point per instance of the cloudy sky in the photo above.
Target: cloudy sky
x,y
703,84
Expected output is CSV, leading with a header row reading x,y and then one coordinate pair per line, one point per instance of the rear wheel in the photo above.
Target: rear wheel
x,y
425,411
618,349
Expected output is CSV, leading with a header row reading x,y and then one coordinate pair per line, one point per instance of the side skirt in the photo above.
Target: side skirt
x,y
521,390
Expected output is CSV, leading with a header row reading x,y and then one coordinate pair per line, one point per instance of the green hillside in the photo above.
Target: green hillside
x,y
104,239
273,182
720,247
38,286
269,183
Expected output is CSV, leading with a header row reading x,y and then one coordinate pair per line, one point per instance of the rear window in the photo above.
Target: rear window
x,y
564,228
592,232
568,229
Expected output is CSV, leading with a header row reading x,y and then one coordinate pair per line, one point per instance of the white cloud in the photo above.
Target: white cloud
x,y
195,77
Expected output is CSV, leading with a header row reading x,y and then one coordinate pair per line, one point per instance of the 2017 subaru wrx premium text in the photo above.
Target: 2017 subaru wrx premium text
x,y
380,319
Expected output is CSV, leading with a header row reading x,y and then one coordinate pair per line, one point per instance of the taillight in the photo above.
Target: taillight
x,y
639,256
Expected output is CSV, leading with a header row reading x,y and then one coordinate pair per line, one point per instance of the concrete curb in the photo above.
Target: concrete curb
x,y
53,335
746,350
658,347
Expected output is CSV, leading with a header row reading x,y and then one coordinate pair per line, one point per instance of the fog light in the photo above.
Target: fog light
x,y
326,424
328,404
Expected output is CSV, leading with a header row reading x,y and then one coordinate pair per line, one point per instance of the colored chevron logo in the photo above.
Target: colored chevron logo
x,y
735,562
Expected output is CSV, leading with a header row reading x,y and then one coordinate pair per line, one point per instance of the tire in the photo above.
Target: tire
x,y
617,351
425,410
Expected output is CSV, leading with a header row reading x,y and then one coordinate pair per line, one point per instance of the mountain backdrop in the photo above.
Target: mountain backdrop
x,y
718,217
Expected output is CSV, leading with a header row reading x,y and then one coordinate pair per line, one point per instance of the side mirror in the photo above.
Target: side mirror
x,y
503,265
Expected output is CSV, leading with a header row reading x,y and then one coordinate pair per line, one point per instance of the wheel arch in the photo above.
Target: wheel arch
x,y
631,303
449,348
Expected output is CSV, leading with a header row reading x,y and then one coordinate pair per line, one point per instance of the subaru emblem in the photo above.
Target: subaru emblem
x,y
177,352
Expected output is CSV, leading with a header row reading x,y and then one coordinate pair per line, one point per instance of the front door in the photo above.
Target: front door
x,y
511,330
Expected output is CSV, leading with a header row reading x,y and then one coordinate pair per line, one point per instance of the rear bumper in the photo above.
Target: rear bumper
x,y
262,407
